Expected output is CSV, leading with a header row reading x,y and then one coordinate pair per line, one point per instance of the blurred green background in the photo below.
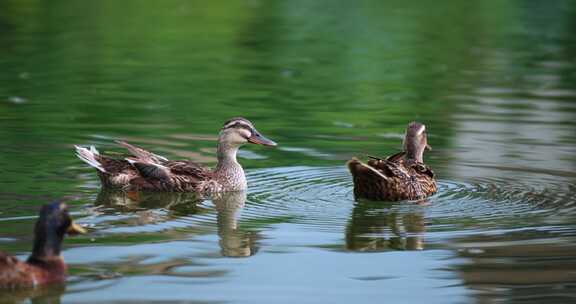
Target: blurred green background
x,y
494,81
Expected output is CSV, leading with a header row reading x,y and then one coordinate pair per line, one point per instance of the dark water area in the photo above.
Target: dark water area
x,y
494,81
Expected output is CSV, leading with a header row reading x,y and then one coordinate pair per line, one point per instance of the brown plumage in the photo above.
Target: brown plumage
x,y
152,174
144,170
45,265
400,176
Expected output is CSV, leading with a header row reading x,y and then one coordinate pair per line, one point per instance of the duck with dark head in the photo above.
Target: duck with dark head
x,y
144,170
401,176
45,265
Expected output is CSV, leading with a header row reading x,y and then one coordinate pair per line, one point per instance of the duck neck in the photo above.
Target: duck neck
x,y
228,171
414,152
46,244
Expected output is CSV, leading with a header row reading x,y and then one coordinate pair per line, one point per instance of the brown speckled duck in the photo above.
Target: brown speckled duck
x,y
402,176
45,265
147,171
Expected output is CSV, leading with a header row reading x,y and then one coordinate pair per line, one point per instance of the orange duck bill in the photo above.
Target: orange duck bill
x,y
258,139
75,229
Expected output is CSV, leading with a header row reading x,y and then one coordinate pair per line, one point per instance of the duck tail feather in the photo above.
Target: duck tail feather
x,y
90,156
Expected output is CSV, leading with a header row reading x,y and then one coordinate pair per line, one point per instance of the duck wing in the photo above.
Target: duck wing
x,y
363,172
423,170
144,170
178,170
141,154
378,168
14,273
388,166
148,169
172,176
396,157
189,168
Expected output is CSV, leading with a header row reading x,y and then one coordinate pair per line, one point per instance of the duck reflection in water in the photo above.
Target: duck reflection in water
x,y
374,226
145,204
234,241
49,294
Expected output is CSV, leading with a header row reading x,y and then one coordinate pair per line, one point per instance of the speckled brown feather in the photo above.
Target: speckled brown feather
x,y
142,154
18,274
14,273
392,179
181,176
399,176
149,172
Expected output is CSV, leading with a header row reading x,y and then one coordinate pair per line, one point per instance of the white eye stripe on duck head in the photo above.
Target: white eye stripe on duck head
x,y
242,126
238,122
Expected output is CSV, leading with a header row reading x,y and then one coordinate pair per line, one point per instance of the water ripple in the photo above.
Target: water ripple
x,y
321,199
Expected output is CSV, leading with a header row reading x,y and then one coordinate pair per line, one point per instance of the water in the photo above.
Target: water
x,y
495,83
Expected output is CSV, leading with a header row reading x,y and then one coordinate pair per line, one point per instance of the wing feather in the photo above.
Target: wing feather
x,y
142,154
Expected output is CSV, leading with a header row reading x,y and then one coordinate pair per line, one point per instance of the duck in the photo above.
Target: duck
x,y
45,265
147,171
401,176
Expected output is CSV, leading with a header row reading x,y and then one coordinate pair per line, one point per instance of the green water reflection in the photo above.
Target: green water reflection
x,y
494,81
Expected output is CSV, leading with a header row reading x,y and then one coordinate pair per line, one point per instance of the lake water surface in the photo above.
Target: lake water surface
x,y
494,81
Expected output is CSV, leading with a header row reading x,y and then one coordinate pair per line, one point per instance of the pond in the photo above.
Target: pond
x,y
494,82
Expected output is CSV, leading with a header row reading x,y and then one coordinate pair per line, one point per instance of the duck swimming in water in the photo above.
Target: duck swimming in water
x,y
147,171
45,265
402,176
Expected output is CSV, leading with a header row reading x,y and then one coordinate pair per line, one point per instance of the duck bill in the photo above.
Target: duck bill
x,y
428,147
258,139
74,229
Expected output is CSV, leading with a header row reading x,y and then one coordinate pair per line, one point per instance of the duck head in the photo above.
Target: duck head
x,y
238,131
53,223
416,141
